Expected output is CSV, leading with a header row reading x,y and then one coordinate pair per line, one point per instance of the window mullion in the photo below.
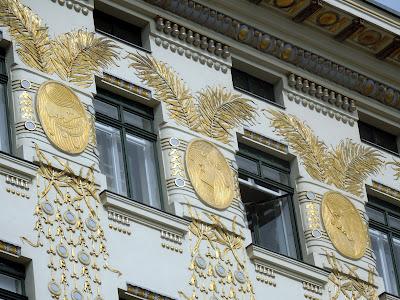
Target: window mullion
x,y
125,160
395,261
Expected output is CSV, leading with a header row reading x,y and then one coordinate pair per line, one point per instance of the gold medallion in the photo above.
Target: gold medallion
x,y
344,225
63,117
210,174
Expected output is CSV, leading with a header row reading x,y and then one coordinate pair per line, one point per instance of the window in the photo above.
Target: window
x,y
117,28
267,197
4,141
384,229
377,137
252,85
12,278
126,144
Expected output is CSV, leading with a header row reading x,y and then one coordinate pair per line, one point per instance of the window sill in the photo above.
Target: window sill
x,y
287,266
144,214
259,97
380,148
123,41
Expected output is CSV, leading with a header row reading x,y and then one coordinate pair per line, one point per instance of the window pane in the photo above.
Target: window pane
x,y
261,88
384,263
274,174
375,215
269,219
10,284
4,142
137,121
141,162
396,250
239,79
111,161
106,109
247,164
394,222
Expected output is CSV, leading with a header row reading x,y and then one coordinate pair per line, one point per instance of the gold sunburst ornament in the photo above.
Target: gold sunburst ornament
x,y
209,174
63,117
344,225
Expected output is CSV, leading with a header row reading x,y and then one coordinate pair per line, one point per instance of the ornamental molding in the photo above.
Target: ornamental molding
x,y
282,50
265,274
189,53
83,7
312,291
381,188
142,293
126,85
330,97
386,296
265,141
287,266
10,249
193,38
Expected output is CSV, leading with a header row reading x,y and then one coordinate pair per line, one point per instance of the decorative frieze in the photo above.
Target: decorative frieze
x,y
26,106
10,248
145,294
119,222
171,241
77,6
319,92
24,85
192,38
265,141
312,291
190,54
126,85
265,274
386,189
17,185
282,50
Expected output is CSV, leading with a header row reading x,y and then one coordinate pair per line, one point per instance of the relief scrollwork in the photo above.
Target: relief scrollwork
x,y
67,224
348,283
217,262
74,56
214,111
345,166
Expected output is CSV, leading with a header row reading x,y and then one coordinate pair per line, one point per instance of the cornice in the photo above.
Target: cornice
x,y
83,6
283,50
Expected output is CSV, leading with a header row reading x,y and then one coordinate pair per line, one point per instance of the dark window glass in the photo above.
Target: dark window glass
x,y
384,229
12,277
248,83
4,133
110,25
126,145
378,137
267,197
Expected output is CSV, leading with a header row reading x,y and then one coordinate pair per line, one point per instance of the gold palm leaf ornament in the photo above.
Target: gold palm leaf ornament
x,y
79,54
346,166
74,56
214,111
31,36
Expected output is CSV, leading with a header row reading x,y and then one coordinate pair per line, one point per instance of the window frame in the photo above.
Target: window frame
x,y
371,143
123,104
387,210
16,271
119,39
288,189
4,80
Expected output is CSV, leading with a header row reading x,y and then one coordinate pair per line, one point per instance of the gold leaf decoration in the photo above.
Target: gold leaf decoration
x,y
396,168
27,30
302,139
169,88
350,164
214,112
75,56
79,54
222,110
347,166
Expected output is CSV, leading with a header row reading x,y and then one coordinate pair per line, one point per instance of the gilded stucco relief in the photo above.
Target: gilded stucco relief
x,y
74,56
68,226
214,111
218,261
346,166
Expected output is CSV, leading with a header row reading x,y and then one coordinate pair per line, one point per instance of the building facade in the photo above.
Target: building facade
x,y
176,149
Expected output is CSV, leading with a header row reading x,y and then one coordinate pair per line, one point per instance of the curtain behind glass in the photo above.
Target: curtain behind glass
x,y
143,177
384,263
111,159
4,142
